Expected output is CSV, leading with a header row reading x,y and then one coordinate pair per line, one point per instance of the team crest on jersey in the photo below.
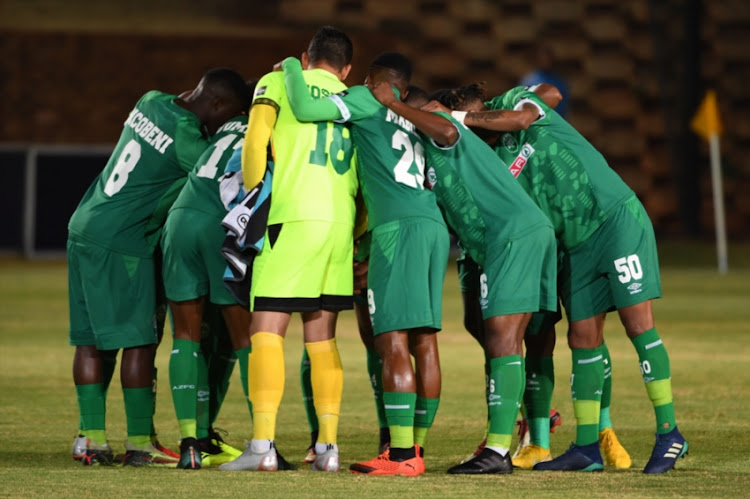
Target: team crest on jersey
x,y
260,91
431,178
520,162
509,142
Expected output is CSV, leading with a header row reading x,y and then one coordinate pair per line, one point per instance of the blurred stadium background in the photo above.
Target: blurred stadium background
x,y
70,71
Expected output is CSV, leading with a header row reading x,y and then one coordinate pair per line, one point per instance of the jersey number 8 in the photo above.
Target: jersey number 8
x,y
129,157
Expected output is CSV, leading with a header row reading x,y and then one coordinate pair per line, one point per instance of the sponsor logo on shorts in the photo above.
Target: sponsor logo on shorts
x,y
484,303
635,288
520,162
242,220
509,142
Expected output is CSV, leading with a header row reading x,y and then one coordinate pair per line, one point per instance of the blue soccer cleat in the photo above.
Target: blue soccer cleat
x,y
668,449
576,458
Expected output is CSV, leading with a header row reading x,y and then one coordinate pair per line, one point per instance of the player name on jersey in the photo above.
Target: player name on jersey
x,y
400,121
232,126
149,132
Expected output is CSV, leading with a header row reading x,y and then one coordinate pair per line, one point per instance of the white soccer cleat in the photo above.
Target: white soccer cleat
x,y
328,460
253,461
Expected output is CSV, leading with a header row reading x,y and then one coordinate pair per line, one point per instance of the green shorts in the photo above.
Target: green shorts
x,y
614,268
304,266
520,275
111,296
469,273
408,259
192,262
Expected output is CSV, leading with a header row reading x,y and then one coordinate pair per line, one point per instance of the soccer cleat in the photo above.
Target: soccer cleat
x,y
147,456
310,457
555,420
190,454
284,465
164,450
97,454
528,456
613,452
476,452
386,464
524,436
79,447
253,461
488,462
576,458
667,450
328,460
214,451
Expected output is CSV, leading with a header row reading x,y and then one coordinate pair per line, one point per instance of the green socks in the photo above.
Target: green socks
x,y
505,389
399,410
242,355
183,378
307,392
92,410
138,405
654,362
540,383
604,421
203,398
424,415
586,389
375,372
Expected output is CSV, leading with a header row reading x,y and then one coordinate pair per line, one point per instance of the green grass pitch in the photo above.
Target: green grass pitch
x,y
703,318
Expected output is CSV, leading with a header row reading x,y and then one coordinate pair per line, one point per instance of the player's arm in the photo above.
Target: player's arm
x,y
500,120
550,94
436,127
304,107
260,123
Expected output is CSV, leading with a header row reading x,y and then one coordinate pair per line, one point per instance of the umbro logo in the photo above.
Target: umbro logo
x,y
635,288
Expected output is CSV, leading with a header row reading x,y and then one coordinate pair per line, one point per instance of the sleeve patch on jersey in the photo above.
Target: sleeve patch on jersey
x,y
345,113
260,91
520,104
267,102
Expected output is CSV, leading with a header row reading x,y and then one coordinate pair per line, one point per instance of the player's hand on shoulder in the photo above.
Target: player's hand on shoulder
x,y
384,93
435,107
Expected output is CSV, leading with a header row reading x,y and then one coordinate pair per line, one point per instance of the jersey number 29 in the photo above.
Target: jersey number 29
x,y
413,154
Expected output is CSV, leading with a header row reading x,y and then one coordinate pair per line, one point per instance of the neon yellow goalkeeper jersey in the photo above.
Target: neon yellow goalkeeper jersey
x,y
314,176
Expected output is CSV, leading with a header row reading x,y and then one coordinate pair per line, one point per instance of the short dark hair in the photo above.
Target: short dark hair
x,y
395,62
228,85
455,98
331,45
415,93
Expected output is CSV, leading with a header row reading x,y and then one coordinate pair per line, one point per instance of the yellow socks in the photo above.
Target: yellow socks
x,y
266,382
327,378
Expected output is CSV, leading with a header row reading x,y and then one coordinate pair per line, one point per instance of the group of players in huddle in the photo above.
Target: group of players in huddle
x,y
375,174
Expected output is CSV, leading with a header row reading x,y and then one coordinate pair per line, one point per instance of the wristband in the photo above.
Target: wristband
x,y
459,116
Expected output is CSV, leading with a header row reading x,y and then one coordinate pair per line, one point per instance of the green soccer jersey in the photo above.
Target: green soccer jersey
x,y
201,192
159,145
390,159
478,194
562,172
390,153
314,176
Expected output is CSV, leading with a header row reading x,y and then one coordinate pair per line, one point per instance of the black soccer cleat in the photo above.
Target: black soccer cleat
x,y
488,462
